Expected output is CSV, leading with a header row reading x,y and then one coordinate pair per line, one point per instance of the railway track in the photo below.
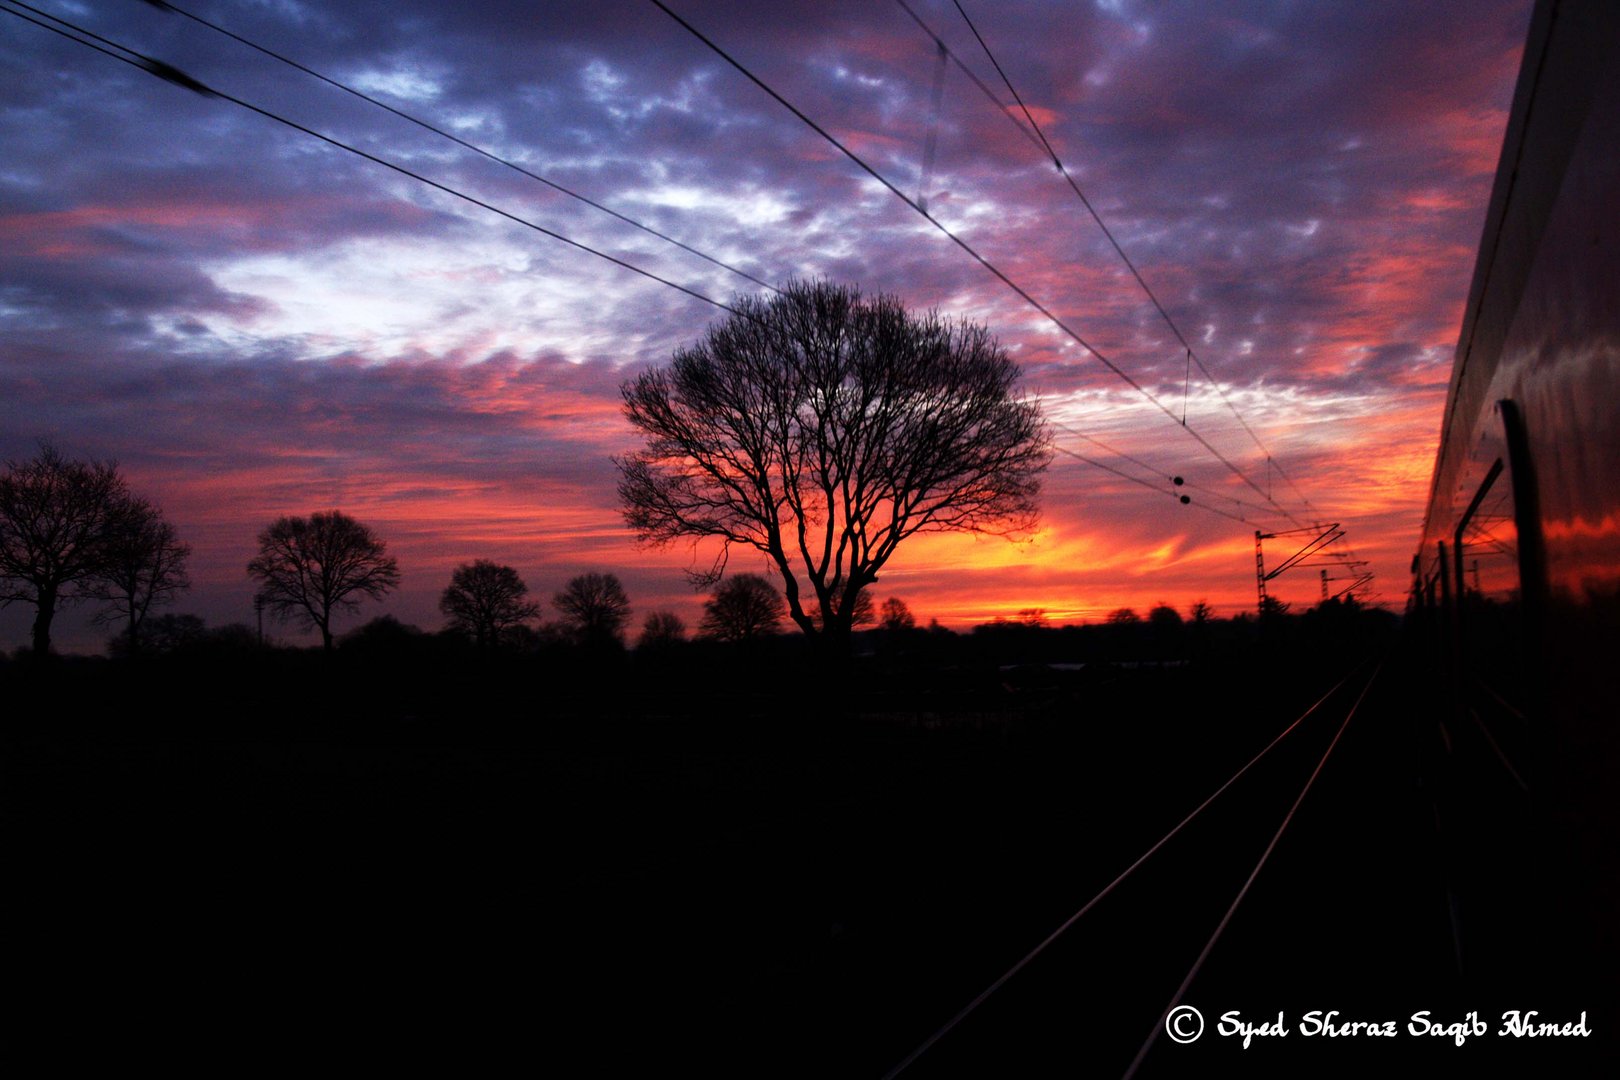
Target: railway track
x,y
1296,885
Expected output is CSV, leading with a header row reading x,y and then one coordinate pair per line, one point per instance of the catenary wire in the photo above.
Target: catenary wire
x,y
970,73
1138,462
965,246
162,70
164,6
1037,137
917,206
156,67
1154,486
1148,484
940,44
169,73
1120,251
1192,354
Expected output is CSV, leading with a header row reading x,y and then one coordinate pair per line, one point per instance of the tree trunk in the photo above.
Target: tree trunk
x,y
835,648
838,636
42,621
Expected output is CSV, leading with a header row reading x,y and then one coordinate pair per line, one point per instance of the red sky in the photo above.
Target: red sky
x,y
254,323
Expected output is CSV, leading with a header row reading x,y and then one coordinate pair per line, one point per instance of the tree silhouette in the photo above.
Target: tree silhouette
x,y
743,608
310,568
896,617
166,634
823,428
862,613
56,519
1163,617
660,630
1272,608
384,638
486,601
594,609
143,566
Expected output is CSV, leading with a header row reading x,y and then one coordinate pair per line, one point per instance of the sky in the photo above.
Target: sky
x,y
254,323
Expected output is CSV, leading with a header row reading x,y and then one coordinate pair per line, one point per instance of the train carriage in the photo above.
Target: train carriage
x,y
1516,584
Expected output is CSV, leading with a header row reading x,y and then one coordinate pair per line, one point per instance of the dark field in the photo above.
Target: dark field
x,y
354,862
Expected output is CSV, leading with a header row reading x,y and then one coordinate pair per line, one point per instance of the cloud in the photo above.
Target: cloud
x,y
257,323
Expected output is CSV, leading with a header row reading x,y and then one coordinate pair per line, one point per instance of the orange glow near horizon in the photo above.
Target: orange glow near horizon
x,y
255,324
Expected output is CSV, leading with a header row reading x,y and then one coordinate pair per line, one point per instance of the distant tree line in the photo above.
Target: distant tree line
x,y
73,531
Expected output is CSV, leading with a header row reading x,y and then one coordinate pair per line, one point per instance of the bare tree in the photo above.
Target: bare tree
x,y
823,428
660,630
897,616
862,612
594,608
143,566
743,608
486,601
56,517
310,568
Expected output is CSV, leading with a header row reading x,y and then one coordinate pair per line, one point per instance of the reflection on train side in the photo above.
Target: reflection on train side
x,y
1515,600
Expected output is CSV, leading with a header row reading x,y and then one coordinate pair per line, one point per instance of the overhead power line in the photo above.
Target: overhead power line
x,y
1033,132
1150,485
968,248
459,141
172,74
169,73
939,43
1174,480
1046,145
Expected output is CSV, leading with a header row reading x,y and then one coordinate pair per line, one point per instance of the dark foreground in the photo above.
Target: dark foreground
x,y
752,880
